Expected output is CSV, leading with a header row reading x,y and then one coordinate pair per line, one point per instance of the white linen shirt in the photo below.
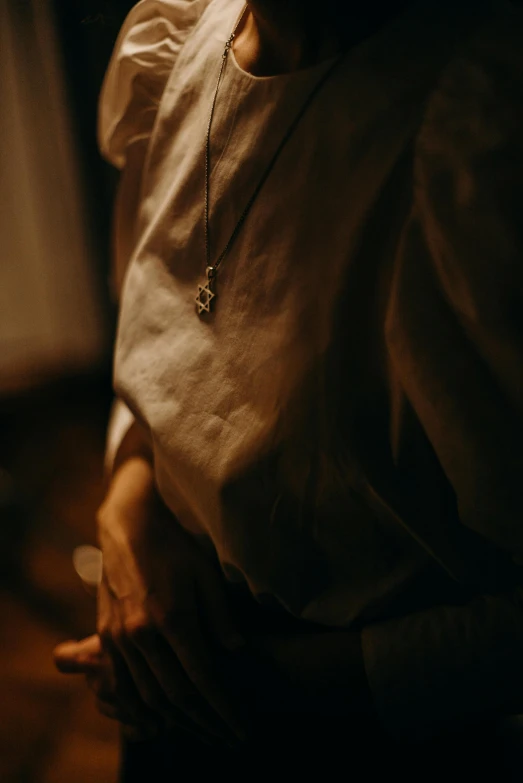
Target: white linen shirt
x,y
290,431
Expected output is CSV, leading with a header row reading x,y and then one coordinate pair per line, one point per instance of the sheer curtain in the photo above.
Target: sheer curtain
x,y
50,318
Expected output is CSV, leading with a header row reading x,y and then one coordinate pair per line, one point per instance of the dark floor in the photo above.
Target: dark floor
x,y
51,448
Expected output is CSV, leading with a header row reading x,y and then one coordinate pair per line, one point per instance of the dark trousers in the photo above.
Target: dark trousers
x,y
334,751
294,746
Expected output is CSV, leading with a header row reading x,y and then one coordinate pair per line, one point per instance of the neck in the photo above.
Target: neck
x,y
279,36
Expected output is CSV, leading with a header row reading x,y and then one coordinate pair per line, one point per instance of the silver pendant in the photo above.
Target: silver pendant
x,y
206,293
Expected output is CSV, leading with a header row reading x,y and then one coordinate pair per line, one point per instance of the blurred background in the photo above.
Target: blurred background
x,y
56,331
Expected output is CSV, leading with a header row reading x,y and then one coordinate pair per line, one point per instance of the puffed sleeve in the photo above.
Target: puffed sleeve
x,y
143,58
455,331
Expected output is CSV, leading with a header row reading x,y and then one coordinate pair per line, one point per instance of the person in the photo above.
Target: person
x,y
312,533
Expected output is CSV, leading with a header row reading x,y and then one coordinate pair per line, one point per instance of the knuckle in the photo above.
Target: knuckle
x,y
103,627
105,634
118,636
136,626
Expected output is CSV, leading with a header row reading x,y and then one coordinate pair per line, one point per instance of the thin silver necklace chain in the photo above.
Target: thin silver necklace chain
x,y
207,292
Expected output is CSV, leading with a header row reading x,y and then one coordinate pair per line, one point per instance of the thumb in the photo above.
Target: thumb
x,y
79,657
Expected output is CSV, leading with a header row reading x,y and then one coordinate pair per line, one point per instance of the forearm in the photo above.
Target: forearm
x,y
130,493
128,460
130,486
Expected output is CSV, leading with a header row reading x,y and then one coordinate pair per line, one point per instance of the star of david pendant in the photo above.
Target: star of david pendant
x,y
206,293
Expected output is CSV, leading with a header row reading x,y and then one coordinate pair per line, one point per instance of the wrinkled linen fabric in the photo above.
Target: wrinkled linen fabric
x,y
344,429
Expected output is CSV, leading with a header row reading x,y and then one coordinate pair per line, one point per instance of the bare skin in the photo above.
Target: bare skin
x,y
281,36
165,631
273,39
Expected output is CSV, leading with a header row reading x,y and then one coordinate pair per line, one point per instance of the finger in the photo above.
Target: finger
x,y
101,684
218,615
79,657
128,697
125,690
136,688
156,705
186,639
144,680
148,685
186,705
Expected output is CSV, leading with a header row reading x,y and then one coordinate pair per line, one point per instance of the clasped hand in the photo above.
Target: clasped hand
x,y
162,618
